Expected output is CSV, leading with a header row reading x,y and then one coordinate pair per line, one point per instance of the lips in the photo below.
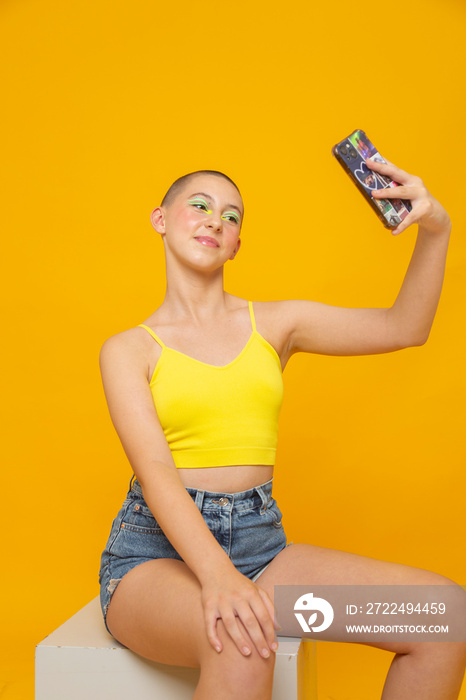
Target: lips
x,y
206,240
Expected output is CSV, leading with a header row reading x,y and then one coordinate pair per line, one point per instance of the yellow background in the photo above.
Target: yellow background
x,y
104,105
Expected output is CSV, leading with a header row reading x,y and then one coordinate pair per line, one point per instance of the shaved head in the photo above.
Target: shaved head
x,y
182,181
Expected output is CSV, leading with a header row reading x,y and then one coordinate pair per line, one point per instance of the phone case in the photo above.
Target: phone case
x,y
352,153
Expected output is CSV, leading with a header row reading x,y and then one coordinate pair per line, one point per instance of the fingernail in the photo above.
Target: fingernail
x,y
265,652
274,646
246,650
218,648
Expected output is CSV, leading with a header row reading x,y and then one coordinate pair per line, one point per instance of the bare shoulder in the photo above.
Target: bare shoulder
x,y
124,361
284,313
276,312
274,321
132,348
121,344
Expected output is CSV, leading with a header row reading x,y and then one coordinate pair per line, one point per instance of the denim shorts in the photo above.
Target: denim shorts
x,y
246,524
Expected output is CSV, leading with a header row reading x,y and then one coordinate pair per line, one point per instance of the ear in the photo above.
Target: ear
x,y
157,219
237,247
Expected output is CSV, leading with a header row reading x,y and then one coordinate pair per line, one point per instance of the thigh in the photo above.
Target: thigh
x,y
306,564
156,612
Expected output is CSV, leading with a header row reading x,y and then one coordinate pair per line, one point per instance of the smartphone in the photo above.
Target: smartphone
x,y
352,153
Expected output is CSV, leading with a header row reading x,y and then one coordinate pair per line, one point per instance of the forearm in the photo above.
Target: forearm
x,y
414,309
182,522
411,316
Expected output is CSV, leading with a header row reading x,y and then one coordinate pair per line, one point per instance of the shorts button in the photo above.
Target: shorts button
x,y
221,501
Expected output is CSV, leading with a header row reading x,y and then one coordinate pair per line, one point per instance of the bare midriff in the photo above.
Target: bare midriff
x,y
226,479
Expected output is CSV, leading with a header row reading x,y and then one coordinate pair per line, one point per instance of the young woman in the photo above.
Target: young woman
x,y
188,573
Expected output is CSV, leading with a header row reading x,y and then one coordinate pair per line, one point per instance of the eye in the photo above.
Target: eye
x,y
231,216
200,204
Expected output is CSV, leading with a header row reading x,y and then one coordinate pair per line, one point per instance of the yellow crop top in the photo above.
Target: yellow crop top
x,y
219,416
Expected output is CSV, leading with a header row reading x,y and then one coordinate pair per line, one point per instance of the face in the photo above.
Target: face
x,y
203,223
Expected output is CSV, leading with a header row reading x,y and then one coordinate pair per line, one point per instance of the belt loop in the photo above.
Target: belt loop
x,y
264,498
130,484
199,500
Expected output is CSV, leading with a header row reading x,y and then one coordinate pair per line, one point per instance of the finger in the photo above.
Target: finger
x,y
265,616
275,625
258,624
410,219
211,630
230,622
270,607
400,192
390,169
254,621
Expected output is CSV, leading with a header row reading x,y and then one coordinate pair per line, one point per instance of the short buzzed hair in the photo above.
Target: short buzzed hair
x,y
179,184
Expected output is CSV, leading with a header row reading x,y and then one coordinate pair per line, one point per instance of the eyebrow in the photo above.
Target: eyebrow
x,y
204,194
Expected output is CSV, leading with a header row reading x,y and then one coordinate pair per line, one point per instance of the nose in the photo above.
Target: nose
x,y
214,222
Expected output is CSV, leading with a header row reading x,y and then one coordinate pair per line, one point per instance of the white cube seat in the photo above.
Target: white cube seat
x,y
80,660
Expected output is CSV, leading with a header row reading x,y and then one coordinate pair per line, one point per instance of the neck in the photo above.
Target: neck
x,y
195,295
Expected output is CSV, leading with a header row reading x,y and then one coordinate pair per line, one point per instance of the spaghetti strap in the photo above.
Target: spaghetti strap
x,y
251,313
155,337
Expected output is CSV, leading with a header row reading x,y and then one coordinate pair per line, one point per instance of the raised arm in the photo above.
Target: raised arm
x,y
225,592
313,327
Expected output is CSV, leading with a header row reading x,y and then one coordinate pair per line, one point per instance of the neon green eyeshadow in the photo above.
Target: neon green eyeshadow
x,y
198,200
231,213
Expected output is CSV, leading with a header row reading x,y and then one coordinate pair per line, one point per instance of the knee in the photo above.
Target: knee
x,y
250,677
247,677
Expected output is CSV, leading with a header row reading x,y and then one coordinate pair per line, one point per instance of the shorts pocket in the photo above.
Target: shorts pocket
x,y
116,524
139,537
275,513
139,518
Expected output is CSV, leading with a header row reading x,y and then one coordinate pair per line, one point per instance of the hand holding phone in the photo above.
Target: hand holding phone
x,y
352,153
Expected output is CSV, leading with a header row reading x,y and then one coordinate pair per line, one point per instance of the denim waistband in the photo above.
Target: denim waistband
x,y
202,497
